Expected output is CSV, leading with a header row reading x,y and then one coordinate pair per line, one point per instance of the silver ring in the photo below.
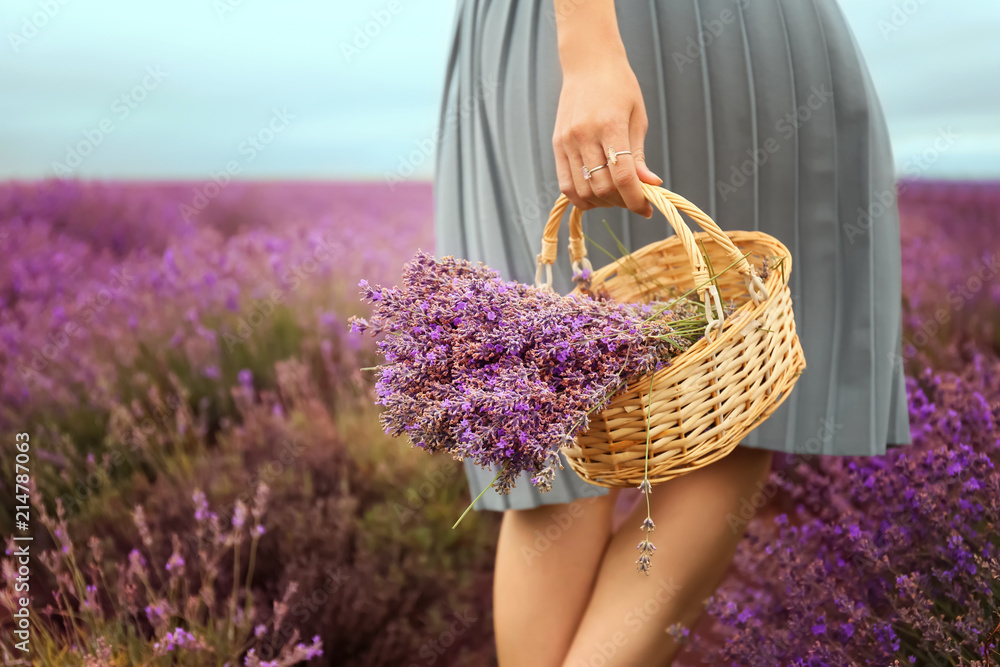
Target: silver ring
x,y
588,172
613,156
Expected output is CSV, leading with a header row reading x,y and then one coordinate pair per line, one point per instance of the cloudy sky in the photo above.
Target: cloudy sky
x,y
288,90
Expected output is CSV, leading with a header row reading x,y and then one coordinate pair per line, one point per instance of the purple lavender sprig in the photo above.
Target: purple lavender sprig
x,y
646,547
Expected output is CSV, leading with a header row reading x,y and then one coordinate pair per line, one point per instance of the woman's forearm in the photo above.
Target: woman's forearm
x,y
601,120
587,34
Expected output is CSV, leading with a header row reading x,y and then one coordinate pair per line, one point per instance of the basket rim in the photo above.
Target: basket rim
x,y
745,312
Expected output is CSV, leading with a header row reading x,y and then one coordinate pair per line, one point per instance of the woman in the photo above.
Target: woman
x,y
762,113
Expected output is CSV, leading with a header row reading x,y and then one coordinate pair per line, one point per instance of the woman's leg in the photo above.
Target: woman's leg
x,y
628,613
546,563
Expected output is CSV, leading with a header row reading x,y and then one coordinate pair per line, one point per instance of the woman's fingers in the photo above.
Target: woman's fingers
x,y
567,185
637,138
581,182
601,183
642,169
623,171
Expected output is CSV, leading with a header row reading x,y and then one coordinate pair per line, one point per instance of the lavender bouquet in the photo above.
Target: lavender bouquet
x,y
504,373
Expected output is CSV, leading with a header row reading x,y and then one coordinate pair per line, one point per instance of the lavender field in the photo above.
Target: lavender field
x,y
211,485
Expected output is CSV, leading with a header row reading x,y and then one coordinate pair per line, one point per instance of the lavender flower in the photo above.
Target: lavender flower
x,y
200,505
175,562
679,633
179,638
239,514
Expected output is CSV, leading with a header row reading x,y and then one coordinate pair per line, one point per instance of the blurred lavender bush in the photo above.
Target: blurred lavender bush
x,y
149,357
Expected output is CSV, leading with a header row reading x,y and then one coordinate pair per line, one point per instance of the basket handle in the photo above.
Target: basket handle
x,y
669,203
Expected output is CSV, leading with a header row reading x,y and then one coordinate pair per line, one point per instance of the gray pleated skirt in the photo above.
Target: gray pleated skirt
x,y
762,113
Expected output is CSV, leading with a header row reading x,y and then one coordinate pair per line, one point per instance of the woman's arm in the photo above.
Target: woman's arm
x,y
600,106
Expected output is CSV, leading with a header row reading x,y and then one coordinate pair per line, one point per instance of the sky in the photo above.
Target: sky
x,y
348,89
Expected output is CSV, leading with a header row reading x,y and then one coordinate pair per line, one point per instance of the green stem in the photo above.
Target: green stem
x,y
649,418
696,287
630,266
711,275
781,263
250,566
495,477
232,600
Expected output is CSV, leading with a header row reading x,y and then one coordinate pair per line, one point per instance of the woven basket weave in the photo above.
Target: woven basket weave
x,y
719,389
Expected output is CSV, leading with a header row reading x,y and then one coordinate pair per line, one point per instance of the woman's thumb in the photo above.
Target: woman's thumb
x,y
644,173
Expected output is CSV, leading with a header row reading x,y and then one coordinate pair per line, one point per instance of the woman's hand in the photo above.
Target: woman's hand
x,y
600,106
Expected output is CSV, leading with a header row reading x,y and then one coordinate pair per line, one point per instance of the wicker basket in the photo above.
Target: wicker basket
x,y
724,385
